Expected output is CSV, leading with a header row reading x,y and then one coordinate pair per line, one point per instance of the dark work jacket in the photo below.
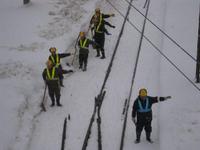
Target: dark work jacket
x,y
141,115
103,17
52,83
60,55
100,34
85,50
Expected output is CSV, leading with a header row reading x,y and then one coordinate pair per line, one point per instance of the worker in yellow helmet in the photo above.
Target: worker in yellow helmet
x,y
83,44
55,59
142,110
51,78
97,25
100,15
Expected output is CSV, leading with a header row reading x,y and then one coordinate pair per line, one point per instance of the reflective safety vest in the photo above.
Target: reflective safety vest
x,y
146,108
51,76
83,44
55,61
100,22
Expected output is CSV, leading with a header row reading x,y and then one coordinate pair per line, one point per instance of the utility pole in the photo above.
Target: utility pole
x,y
198,53
26,1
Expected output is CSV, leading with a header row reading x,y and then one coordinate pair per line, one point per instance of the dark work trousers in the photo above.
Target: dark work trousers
x,y
83,58
54,93
144,123
100,40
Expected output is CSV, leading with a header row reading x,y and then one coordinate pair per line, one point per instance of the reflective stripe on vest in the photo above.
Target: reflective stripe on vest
x,y
82,44
100,21
146,109
52,75
56,62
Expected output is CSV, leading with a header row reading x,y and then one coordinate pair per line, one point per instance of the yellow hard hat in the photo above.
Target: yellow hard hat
x,y
82,34
52,49
143,92
97,10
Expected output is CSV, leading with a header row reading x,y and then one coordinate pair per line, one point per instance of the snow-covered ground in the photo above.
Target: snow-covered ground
x,y
27,32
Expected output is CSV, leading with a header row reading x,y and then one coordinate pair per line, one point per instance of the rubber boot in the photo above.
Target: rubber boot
x,y
98,53
85,68
103,54
148,137
80,66
80,62
58,101
52,102
138,134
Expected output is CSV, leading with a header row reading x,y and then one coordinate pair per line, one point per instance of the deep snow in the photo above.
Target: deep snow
x,y
27,32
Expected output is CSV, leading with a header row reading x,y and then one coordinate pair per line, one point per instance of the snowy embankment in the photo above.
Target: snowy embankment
x,y
27,32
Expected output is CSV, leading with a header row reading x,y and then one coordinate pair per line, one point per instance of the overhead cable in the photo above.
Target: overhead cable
x,y
171,39
179,70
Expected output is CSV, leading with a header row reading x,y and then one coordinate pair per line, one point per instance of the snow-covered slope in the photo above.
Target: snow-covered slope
x,y
27,32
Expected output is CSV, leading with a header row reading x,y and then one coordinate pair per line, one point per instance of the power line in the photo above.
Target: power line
x,y
171,39
100,97
147,3
179,70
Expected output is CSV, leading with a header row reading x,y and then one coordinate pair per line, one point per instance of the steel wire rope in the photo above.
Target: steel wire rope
x,y
87,136
170,38
116,46
179,70
102,93
133,78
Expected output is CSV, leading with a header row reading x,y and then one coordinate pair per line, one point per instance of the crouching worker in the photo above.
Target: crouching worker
x,y
51,76
83,44
142,109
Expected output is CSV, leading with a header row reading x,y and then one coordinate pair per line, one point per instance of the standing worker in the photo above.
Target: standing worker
x,y
83,44
51,78
142,109
99,30
55,59
101,16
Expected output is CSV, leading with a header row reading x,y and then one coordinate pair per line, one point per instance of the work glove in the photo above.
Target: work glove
x,y
168,97
134,120
70,71
112,15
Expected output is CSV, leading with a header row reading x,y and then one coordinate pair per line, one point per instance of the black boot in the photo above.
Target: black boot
x,y
148,137
137,137
58,101
85,68
59,105
52,102
103,54
98,53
